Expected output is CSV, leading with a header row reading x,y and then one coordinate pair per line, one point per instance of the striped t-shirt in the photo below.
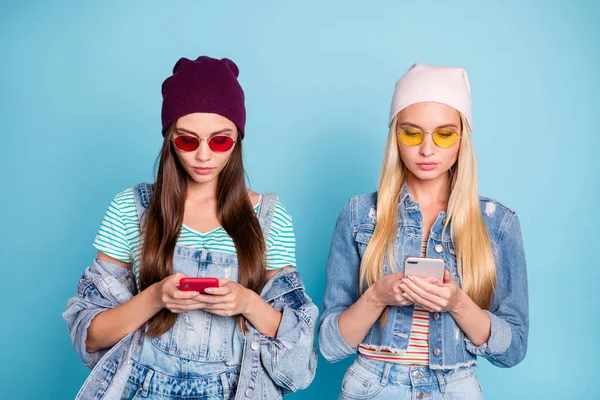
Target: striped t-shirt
x,y
417,352
119,235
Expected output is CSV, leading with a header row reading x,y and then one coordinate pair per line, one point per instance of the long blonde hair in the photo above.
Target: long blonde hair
x,y
474,257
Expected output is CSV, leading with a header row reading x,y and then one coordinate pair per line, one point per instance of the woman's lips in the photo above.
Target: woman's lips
x,y
203,170
427,166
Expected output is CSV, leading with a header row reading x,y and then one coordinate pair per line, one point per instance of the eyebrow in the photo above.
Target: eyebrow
x,y
226,130
417,126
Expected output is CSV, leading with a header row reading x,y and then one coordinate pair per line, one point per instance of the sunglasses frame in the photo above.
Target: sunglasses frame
x,y
201,139
398,132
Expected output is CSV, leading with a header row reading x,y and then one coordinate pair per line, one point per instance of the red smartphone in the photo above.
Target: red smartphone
x,y
197,284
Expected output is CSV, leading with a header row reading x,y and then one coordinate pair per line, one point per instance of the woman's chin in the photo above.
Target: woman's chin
x,y
426,175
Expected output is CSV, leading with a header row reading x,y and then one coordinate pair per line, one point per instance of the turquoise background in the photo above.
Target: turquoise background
x,y
80,109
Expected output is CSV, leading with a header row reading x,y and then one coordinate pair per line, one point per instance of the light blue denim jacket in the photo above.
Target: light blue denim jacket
x,y
270,367
448,346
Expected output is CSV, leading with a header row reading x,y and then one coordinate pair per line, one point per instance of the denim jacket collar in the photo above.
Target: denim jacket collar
x,y
409,214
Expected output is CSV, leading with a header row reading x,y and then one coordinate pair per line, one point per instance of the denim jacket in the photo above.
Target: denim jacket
x,y
448,346
271,367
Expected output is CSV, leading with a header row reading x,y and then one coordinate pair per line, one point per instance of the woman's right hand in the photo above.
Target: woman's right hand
x,y
387,292
167,295
356,321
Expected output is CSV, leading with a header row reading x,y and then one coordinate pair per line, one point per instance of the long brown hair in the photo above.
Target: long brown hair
x,y
164,219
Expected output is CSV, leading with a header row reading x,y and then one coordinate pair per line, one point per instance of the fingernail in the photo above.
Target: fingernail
x,y
208,290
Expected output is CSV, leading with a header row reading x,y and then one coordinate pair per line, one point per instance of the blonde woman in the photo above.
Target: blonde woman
x,y
419,337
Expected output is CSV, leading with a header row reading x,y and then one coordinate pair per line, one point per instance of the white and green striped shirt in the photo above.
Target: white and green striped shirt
x,y
119,235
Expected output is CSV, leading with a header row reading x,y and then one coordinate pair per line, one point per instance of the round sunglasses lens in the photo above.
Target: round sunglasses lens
x,y
445,138
411,137
186,143
220,143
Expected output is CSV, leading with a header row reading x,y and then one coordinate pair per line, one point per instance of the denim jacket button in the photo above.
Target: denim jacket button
x,y
249,393
438,248
436,351
436,315
254,346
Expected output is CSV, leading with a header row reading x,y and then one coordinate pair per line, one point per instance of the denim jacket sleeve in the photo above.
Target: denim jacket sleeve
x,y
508,310
102,286
290,359
341,288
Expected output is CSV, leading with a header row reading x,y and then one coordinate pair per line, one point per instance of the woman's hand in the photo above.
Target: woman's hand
x,y
432,294
387,291
447,296
167,295
227,300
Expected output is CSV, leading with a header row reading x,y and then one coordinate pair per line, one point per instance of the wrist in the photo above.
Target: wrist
x,y
463,302
250,300
371,298
153,292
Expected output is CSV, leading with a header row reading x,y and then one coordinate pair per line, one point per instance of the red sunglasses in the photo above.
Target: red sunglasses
x,y
217,143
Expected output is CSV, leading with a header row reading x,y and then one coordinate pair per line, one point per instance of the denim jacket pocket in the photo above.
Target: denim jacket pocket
x,y
363,237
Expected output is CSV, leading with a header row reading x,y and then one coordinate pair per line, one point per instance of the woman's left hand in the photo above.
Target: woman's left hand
x,y
229,299
437,296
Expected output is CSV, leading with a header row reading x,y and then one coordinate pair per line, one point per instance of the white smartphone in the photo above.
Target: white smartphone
x,y
425,267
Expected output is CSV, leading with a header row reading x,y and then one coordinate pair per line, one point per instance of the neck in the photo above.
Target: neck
x,y
429,192
201,191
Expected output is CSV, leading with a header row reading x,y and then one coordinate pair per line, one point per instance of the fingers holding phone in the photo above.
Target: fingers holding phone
x,y
437,293
170,295
227,299
387,291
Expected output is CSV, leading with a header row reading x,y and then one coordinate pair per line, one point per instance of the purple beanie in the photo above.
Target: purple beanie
x,y
204,85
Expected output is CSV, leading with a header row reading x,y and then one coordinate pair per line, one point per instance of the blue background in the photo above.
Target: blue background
x,y
80,109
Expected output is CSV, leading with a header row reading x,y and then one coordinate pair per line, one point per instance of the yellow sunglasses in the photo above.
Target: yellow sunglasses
x,y
443,138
